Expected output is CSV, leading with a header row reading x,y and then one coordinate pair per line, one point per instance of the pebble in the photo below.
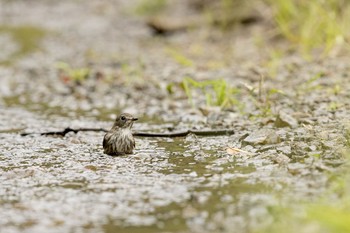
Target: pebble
x,y
263,137
285,119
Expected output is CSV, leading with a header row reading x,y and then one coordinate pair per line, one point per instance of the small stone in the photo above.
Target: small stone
x,y
91,167
281,159
285,120
209,110
263,137
312,148
287,150
193,174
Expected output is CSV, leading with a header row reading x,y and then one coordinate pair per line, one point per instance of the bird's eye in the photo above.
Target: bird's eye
x,y
123,118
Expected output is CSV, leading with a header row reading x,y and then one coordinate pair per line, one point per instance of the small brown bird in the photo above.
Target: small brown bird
x,y
119,140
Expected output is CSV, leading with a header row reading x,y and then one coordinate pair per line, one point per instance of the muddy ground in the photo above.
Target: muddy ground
x,y
84,63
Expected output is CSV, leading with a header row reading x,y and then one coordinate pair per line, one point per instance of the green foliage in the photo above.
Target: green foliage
x,y
334,218
179,58
311,84
150,7
26,37
264,98
333,106
266,101
75,74
314,24
170,88
217,92
347,136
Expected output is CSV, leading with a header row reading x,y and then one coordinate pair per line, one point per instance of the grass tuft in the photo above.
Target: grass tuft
x,y
313,25
217,92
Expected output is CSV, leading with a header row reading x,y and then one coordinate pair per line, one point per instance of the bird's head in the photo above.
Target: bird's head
x,y
125,120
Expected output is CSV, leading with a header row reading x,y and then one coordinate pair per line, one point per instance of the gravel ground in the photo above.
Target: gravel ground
x,y
291,126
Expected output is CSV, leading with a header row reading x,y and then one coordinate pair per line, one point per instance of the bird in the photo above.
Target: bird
x,y
119,139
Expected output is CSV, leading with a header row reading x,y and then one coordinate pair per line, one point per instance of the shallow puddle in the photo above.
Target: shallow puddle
x,y
160,189
169,185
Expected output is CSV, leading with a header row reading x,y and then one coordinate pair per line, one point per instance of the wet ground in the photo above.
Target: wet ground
x,y
83,63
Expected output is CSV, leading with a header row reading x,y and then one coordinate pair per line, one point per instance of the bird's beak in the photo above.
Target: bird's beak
x,y
134,119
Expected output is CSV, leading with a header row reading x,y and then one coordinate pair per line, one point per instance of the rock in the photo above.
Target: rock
x,y
284,119
262,136
206,110
287,150
281,159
